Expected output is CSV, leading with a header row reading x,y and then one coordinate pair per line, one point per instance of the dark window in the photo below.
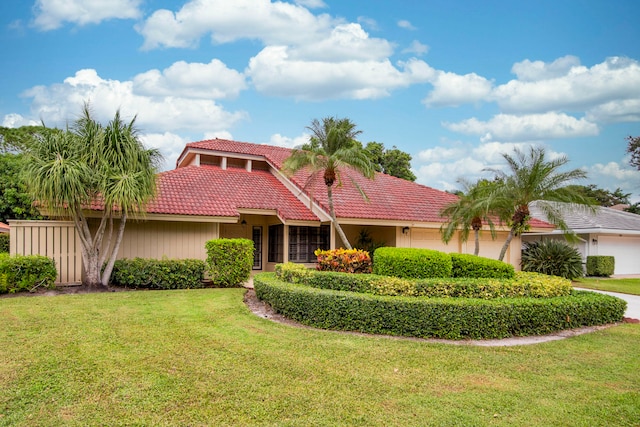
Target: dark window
x,y
276,243
303,241
257,247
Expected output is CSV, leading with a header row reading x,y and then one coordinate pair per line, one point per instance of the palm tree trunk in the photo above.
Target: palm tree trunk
x,y
506,244
343,237
106,275
476,251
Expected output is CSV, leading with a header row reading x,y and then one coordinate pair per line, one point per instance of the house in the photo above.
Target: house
x,y
230,189
4,228
606,231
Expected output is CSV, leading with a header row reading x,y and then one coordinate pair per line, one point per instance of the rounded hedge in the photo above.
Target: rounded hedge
x,y
450,318
467,265
412,263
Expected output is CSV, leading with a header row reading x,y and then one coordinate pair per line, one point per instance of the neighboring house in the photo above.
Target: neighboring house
x,y
229,189
4,228
607,231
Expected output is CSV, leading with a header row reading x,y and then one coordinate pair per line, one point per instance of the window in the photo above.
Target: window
x,y
303,241
257,247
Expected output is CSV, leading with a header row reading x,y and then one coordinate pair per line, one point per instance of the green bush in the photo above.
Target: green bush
x,y
600,265
4,243
343,260
450,318
524,284
26,272
411,263
553,257
158,274
229,261
465,265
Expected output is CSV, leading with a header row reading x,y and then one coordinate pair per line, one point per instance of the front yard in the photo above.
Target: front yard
x,y
200,357
624,286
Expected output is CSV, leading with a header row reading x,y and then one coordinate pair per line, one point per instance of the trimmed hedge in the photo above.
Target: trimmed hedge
x,y
524,284
158,274
457,318
412,263
600,265
229,261
26,272
466,265
4,243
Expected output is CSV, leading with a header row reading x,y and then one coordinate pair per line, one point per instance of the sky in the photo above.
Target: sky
x,y
454,83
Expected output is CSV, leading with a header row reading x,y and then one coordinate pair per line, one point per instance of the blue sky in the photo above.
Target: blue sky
x,y
453,83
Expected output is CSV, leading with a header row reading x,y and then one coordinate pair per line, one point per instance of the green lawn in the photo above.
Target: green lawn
x,y
200,357
625,286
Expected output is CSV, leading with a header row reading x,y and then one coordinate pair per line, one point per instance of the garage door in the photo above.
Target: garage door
x,y
626,251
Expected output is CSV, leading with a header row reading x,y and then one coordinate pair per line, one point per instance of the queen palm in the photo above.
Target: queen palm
x,y
87,164
332,146
470,211
531,178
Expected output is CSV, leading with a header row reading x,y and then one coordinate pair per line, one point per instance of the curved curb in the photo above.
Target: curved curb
x,y
264,310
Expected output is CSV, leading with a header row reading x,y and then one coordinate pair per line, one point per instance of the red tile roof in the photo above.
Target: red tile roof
x,y
4,228
389,198
211,191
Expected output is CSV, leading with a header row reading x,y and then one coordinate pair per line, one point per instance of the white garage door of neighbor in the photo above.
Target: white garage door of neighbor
x,y
626,251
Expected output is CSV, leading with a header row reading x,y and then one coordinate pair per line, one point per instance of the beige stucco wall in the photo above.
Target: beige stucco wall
x,y
166,239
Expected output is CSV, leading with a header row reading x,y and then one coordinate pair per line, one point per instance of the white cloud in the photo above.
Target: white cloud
x,y
311,4
169,144
566,85
615,170
403,23
528,127
285,141
16,120
416,48
450,89
531,71
626,110
274,72
58,103
193,80
52,14
226,21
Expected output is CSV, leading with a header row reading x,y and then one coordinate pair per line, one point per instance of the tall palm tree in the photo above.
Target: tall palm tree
x,y
530,177
470,211
69,171
332,146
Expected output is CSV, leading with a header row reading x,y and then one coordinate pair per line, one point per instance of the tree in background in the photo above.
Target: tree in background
x,y
634,149
90,163
392,161
601,196
530,177
332,146
470,211
15,200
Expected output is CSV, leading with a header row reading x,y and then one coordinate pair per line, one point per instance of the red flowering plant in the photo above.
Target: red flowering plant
x,y
343,260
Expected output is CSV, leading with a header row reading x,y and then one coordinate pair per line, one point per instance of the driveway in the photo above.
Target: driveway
x,y
633,302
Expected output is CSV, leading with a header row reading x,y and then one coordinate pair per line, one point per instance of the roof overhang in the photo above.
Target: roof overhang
x,y
587,231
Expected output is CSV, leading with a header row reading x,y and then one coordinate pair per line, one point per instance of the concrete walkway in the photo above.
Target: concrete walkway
x,y
633,302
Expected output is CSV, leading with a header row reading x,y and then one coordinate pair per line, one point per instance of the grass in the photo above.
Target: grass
x,y
200,357
624,286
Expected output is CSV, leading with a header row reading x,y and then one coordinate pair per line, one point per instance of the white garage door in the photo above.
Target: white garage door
x,y
626,251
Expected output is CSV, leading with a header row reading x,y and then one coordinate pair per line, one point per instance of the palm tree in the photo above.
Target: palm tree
x,y
332,146
468,212
69,171
532,178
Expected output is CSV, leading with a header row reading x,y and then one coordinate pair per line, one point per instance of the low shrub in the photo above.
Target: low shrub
x,y
26,272
553,257
412,263
466,265
450,318
158,274
229,261
343,260
4,243
600,265
524,284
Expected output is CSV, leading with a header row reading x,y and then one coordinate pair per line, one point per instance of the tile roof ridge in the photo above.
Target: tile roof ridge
x,y
233,141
